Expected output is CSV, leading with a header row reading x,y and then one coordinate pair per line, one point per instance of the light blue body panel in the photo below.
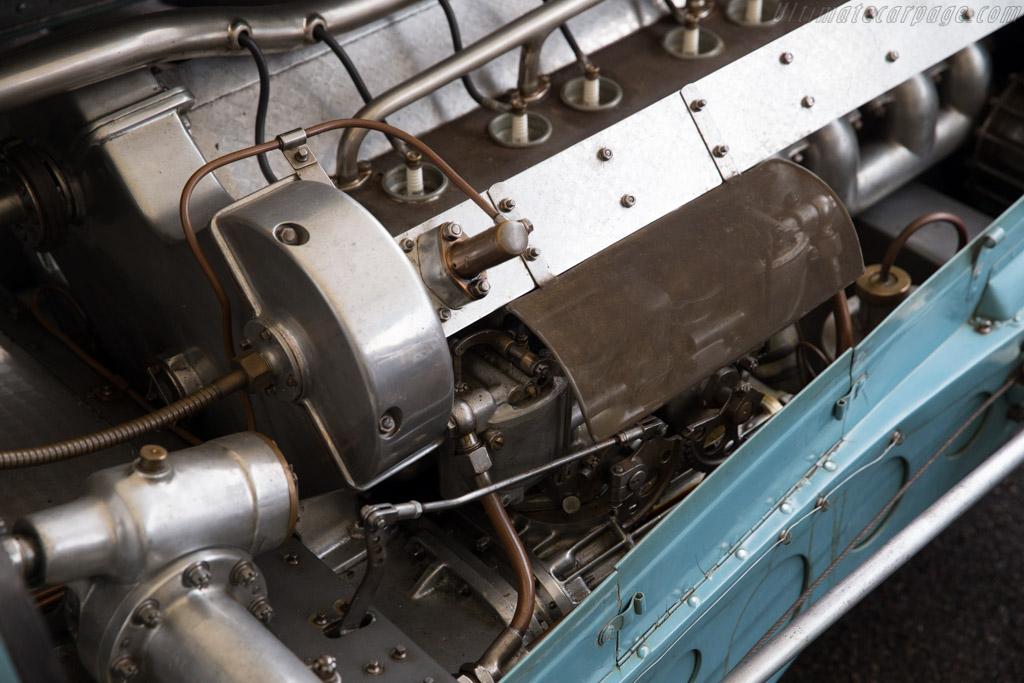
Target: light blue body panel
x,y
714,574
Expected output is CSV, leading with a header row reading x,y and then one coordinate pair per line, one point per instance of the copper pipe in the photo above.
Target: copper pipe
x,y
513,546
915,225
844,326
89,360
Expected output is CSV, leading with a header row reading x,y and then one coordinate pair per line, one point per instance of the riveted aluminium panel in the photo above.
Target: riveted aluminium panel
x,y
575,200
760,104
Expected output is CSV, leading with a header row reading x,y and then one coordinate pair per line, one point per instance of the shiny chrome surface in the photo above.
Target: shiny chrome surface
x,y
235,491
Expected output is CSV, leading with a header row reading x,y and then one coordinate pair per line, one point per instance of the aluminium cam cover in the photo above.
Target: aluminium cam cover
x,y
657,312
346,321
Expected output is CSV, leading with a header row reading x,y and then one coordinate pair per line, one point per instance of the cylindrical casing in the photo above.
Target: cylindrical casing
x,y
236,491
209,637
506,240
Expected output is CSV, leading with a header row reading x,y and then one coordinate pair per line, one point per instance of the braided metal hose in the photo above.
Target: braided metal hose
x,y
185,407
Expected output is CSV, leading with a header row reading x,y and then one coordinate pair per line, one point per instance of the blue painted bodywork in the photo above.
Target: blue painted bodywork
x,y
714,575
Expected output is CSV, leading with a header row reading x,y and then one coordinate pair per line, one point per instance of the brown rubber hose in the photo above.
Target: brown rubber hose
x,y
158,419
520,562
918,223
844,325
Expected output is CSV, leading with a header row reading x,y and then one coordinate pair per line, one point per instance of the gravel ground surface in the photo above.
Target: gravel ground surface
x,y
955,612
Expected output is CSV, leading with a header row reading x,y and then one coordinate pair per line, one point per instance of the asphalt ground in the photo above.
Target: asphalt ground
x,y
955,612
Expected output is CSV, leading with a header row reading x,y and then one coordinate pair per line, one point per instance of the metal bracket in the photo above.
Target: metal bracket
x,y
534,259
300,156
633,608
699,109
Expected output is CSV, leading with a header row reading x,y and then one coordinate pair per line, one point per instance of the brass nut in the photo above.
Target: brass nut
x,y
256,369
873,291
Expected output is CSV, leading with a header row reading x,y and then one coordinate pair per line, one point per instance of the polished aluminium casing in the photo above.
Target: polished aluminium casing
x,y
346,322
236,491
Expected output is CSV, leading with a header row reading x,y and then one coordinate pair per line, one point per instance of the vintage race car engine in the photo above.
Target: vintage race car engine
x,y
423,340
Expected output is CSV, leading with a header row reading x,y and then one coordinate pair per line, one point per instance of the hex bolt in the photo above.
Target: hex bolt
x,y
197,575
374,667
302,153
451,231
698,105
604,154
892,56
628,201
399,653
480,288
288,235
407,245
124,668
532,254
445,314
506,205
148,614
325,667
720,150
262,610
387,425
786,58
244,574
807,102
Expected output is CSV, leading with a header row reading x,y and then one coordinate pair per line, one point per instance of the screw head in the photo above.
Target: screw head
x,y
604,154
506,205
124,667
399,653
302,153
628,201
496,442
451,231
374,667
720,150
387,425
445,314
288,235
197,575
262,610
892,56
532,254
480,288
407,245
698,105
807,102
148,614
786,58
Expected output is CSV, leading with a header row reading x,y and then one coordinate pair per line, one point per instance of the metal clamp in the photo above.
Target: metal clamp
x,y
634,607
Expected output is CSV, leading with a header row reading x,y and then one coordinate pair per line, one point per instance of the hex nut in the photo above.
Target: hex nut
x,y
604,154
325,667
480,288
244,574
407,245
451,231
532,254
479,459
262,610
197,575
256,369
399,653
148,614
445,314
374,667
628,201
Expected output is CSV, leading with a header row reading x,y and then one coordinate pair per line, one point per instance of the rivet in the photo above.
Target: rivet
x,y
830,466
892,56
807,102
742,553
786,508
693,601
786,58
